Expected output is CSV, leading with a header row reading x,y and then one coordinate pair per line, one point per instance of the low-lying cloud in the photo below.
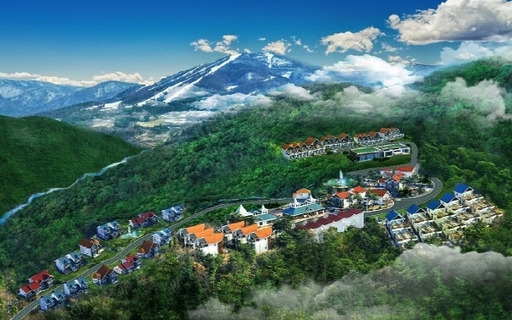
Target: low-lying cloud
x,y
371,296
292,91
222,102
484,99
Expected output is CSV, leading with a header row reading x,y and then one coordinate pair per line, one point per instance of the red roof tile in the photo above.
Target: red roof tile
x,y
214,238
264,232
236,225
405,168
343,194
249,229
358,189
379,192
196,228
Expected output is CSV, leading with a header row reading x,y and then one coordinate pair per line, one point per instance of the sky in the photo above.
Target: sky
x,y
84,42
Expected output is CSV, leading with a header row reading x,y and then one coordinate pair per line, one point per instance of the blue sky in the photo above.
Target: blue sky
x,y
89,41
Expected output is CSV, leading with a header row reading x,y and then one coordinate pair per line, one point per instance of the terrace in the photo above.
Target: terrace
x,y
467,218
404,236
490,216
427,230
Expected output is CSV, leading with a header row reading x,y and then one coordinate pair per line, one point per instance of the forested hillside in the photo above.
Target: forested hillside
x,y
464,133
38,153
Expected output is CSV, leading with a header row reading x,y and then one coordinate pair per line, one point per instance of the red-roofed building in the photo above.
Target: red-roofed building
x,y
148,249
38,282
128,264
340,220
407,171
383,195
90,247
359,191
104,275
342,199
144,219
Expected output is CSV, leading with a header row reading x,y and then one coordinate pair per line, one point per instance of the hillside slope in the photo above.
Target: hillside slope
x,y
39,153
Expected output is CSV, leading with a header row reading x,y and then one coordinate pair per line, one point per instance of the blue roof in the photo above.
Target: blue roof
x,y
413,209
447,197
461,188
393,215
264,217
433,204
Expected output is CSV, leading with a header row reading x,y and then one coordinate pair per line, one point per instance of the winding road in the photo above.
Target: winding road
x,y
402,204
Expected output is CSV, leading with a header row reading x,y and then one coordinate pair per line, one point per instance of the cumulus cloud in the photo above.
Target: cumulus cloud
x,y
292,91
344,41
457,20
221,102
298,42
366,69
389,48
279,47
359,296
485,99
262,39
223,46
119,76
399,60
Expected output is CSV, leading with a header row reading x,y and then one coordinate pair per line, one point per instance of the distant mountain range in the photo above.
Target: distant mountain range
x,y
148,115
22,98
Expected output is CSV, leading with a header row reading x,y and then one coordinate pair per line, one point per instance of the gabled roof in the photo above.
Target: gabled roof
x,y
414,209
379,192
398,176
102,272
303,209
448,197
214,238
372,134
204,233
384,130
263,232
358,189
147,215
405,168
343,194
147,246
462,187
41,276
249,229
196,228
264,217
311,140
343,135
34,286
88,243
434,204
392,215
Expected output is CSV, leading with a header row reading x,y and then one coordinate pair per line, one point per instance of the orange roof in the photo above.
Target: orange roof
x,y
359,189
343,194
196,228
398,176
372,134
88,243
343,135
285,146
204,233
384,130
386,169
303,190
310,140
249,229
327,137
380,192
405,168
263,232
214,238
237,225
102,272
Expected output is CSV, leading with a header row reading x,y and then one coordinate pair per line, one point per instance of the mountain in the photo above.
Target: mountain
x,y
149,115
248,73
39,153
22,98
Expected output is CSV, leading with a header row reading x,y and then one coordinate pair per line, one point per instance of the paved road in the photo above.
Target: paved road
x,y
124,252
403,204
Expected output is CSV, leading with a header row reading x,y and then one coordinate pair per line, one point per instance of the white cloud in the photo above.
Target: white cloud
x,y
344,41
221,102
117,76
223,46
485,99
279,47
262,39
366,69
457,20
468,51
398,60
307,48
388,48
202,45
292,91
297,41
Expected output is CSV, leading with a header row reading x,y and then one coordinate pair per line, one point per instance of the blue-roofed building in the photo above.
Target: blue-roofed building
x,y
462,190
109,230
162,237
434,207
414,209
416,215
173,213
75,287
394,220
52,301
449,200
264,219
69,263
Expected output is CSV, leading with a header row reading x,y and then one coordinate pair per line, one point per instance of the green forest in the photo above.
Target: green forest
x,y
39,153
462,137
